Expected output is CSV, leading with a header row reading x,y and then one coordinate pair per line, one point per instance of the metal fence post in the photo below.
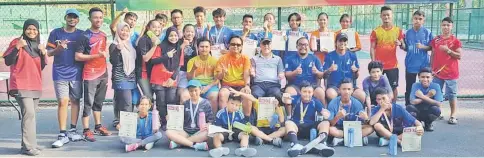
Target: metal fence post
x,y
279,15
46,20
113,10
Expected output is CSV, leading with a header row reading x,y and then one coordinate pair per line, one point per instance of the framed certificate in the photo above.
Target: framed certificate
x,y
216,50
356,125
128,122
278,41
266,108
410,140
351,37
249,48
175,117
326,41
292,40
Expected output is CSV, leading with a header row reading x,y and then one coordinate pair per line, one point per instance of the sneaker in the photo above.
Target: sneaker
x,y
172,145
31,152
365,141
102,131
115,123
383,141
323,150
89,136
277,142
429,127
295,150
452,120
149,146
61,140
258,141
203,146
246,152
131,147
73,135
219,152
337,141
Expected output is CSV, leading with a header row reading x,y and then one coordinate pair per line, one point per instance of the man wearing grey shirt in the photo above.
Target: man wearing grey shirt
x,y
267,72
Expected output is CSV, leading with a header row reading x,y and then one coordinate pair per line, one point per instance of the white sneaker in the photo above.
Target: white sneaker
x,y
383,141
149,146
295,150
245,152
73,135
61,140
365,141
337,141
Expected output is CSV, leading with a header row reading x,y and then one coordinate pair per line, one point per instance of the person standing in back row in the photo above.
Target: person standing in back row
x,y
92,50
384,41
416,58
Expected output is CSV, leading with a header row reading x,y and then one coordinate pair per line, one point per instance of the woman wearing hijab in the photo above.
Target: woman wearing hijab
x,y
26,58
123,58
166,65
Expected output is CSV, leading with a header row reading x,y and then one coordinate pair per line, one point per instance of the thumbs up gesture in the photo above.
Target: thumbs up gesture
x,y
125,10
299,70
42,49
314,69
420,46
333,67
21,43
353,67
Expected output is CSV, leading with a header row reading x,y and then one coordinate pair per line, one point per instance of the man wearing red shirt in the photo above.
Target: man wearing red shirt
x,y
446,53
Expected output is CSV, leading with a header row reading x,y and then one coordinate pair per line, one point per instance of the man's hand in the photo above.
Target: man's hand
x,y
420,45
62,44
333,67
286,98
353,67
362,115
325,113
281,76
384,105
419,93
420,130
246,90
298,70
431,93
314,69
125,10
341,112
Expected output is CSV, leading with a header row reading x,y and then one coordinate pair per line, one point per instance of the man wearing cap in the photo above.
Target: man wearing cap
x,y
267,71
303,67
339,65
195,133
67,75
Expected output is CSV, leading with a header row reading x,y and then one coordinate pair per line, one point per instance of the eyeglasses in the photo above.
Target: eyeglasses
x,y
235,45
303,45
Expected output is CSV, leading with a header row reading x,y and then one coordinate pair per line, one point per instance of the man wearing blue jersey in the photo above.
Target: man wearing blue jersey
x,y
67,75
416,58
220,34
246,33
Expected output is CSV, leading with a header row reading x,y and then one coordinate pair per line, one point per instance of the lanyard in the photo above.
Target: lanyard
x,y
389,122
193,112
303,112
230,124
217,34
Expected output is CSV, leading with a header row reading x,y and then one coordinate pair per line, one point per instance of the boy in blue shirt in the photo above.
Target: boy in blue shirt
x,y
416,58
226,118
389,118
220,34
67,75
425,99
306,109
347,108
304,67
246,32
130,18
338,65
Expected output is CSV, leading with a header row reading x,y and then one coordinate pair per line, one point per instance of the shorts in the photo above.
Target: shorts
x,y
392,75
94,95
182,80
236,88
213,89
450,87
235,136
396,130
304,130
71,89
268,130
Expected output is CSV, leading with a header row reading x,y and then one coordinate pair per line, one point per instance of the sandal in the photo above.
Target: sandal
x,y
452,120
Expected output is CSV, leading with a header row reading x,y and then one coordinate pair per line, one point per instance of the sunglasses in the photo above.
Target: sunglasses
x,y
235,45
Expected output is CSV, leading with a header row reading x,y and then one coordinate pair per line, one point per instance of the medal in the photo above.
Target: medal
x,y
193,112
301,122
192,125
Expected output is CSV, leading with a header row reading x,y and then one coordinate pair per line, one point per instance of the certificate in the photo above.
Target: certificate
x,y
249,48
410,140
128,122
292,40
216,50
266,108
175,117
278,41
212,130
357,135
351,33
326,41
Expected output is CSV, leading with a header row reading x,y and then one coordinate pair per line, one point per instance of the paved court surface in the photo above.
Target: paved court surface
x,y
464,139
469,82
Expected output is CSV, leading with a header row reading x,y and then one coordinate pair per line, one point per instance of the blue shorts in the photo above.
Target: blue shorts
x,y
182,81
450,87
213,89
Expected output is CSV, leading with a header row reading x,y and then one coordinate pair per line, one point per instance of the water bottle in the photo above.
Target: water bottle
x,y
274,121
392,146
155,116
351,137
201,120
313,133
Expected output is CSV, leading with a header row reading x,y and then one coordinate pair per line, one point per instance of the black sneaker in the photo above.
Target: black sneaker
x,y
429,127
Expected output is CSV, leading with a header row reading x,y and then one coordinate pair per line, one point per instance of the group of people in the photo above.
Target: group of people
x,y
176,66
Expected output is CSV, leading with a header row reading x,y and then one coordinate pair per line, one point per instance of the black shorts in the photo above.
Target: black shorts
x,y
396,130
268,130
392,75
235,136
304,130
